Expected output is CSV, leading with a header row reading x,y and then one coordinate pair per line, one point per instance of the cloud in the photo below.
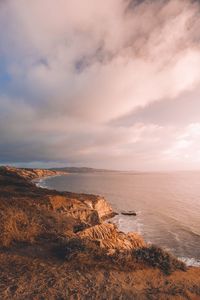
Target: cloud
x,y
178,112
69,68
185,150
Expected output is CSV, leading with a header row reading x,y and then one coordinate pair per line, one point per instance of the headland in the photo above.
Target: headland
x,y
57,245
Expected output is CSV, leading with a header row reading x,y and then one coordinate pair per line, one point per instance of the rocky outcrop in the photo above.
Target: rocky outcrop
x,y
29,174
88,208
109,237
101,206
82,206
128,213
54,245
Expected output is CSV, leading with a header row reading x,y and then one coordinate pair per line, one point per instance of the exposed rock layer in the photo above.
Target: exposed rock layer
x,y
53,245
28,173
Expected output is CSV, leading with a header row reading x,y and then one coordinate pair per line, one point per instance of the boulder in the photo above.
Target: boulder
x,y
128,213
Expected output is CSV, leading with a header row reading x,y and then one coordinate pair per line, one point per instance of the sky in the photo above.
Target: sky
x,y
108,84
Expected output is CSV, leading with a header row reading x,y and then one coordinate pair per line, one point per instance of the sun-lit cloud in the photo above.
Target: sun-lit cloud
x,y
107,84
185,150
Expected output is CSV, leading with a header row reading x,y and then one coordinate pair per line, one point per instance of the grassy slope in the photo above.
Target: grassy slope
x,y
50,249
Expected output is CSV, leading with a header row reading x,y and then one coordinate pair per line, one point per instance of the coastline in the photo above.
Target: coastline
x,y
189,261
55,245
38,181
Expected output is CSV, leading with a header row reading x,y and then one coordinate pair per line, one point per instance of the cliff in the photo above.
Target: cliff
x,y
55,245
28,174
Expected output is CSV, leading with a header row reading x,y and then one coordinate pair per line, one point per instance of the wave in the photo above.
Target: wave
x,y
191,232
190,262
180,226
128,224
42,182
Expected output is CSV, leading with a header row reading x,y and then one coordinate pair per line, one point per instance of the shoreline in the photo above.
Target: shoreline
x,y
55,245
189,261
39,180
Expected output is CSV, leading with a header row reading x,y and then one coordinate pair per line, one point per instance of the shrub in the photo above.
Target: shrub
x,y
159,258
67,249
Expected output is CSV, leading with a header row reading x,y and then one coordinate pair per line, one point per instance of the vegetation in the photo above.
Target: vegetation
x,y
158,258
18,227
152,256
67,249
50,248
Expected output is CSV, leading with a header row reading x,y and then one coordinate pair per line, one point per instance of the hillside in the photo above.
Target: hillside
x,y
57,245
81,170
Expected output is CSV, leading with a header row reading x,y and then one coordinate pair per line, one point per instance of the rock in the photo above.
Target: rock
x,y
39,227
28,174
129,213
74,208
100,205
109,237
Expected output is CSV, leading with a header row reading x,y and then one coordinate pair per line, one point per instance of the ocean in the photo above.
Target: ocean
x,y
167,205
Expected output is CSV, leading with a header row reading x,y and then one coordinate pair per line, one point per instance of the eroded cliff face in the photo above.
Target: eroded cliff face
x,y
79,205
48,211
54,245
28,173
111,239
103,208
87,208
79,210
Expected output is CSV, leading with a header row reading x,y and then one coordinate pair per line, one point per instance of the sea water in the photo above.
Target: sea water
x,y
167,205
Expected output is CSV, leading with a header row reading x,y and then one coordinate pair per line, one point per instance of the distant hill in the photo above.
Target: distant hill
x,y
56,245
81,170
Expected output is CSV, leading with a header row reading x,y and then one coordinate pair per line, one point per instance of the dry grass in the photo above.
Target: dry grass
x,y
87,252
18,227
25,278
98,262
58,202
